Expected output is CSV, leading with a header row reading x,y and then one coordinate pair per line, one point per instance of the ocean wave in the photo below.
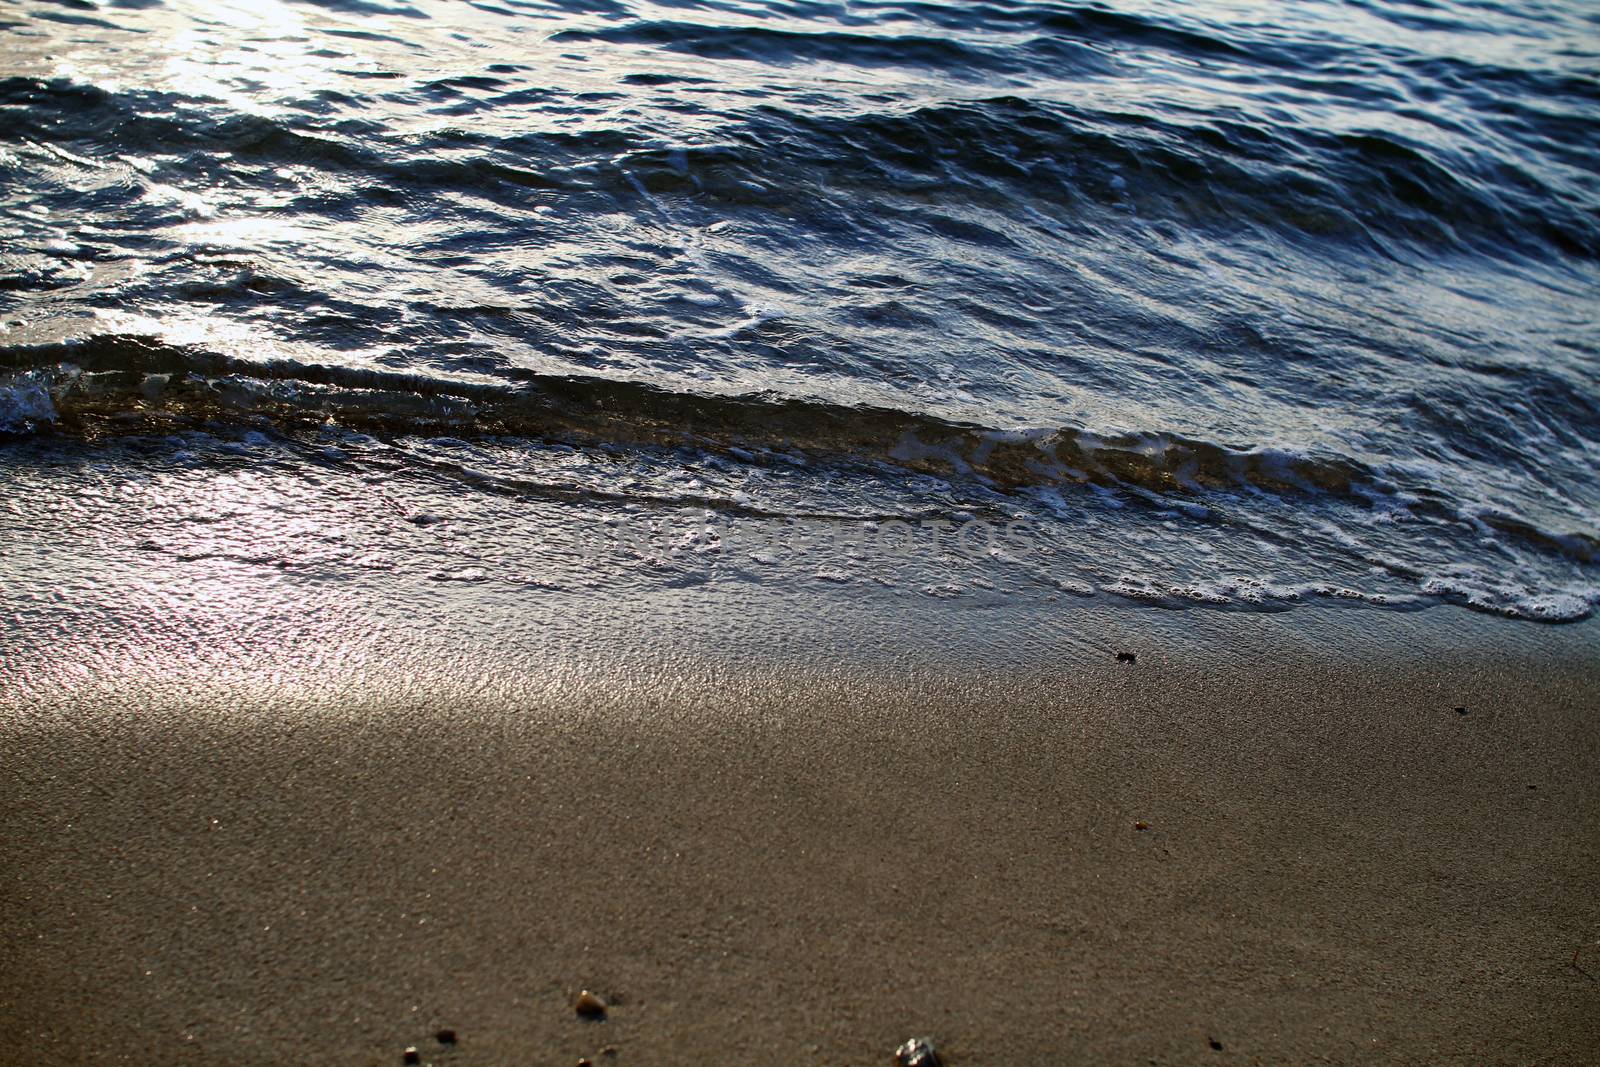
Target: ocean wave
x,y
1219,267
126,383
771,45
1369,187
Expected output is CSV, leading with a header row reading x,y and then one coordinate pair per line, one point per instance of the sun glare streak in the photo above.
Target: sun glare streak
x,y
251,55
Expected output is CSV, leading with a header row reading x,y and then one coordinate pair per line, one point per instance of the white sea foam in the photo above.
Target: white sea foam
x,y
25,403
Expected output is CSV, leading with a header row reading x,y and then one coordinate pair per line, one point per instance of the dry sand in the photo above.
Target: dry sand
x,y
807,864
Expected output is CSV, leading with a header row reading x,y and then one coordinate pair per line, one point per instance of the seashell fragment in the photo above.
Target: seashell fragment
x,y
589,1006
918,1052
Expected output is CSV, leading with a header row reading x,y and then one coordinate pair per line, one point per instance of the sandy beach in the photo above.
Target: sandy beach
x,y
638,533
1288,849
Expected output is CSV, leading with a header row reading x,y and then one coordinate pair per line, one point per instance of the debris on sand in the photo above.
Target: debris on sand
x,y
445,1036
918,1052
589,1006
1127,657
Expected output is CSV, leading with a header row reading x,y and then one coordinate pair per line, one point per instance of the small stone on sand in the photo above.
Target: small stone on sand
x,y
1461,711
1141,826
1216,1046
1127,657
410,1055
589,1006
918,1052
445,1036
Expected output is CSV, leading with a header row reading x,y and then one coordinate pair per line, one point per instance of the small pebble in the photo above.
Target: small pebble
x,y
918,1052
1127,657
410,1055
1141,826
609,1050
446,1037
584,1061
1461,711
1216,1046
589,1006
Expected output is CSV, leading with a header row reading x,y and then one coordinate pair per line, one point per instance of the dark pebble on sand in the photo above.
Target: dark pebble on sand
x,y
410,1055
589,1006
1127,657
445,1037
1461,711
918,1052
1216,1046
1141,826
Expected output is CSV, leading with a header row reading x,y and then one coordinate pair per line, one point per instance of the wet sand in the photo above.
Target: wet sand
x,y
804,864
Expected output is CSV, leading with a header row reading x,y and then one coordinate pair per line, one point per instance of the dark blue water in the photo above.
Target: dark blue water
x,y
1232,304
